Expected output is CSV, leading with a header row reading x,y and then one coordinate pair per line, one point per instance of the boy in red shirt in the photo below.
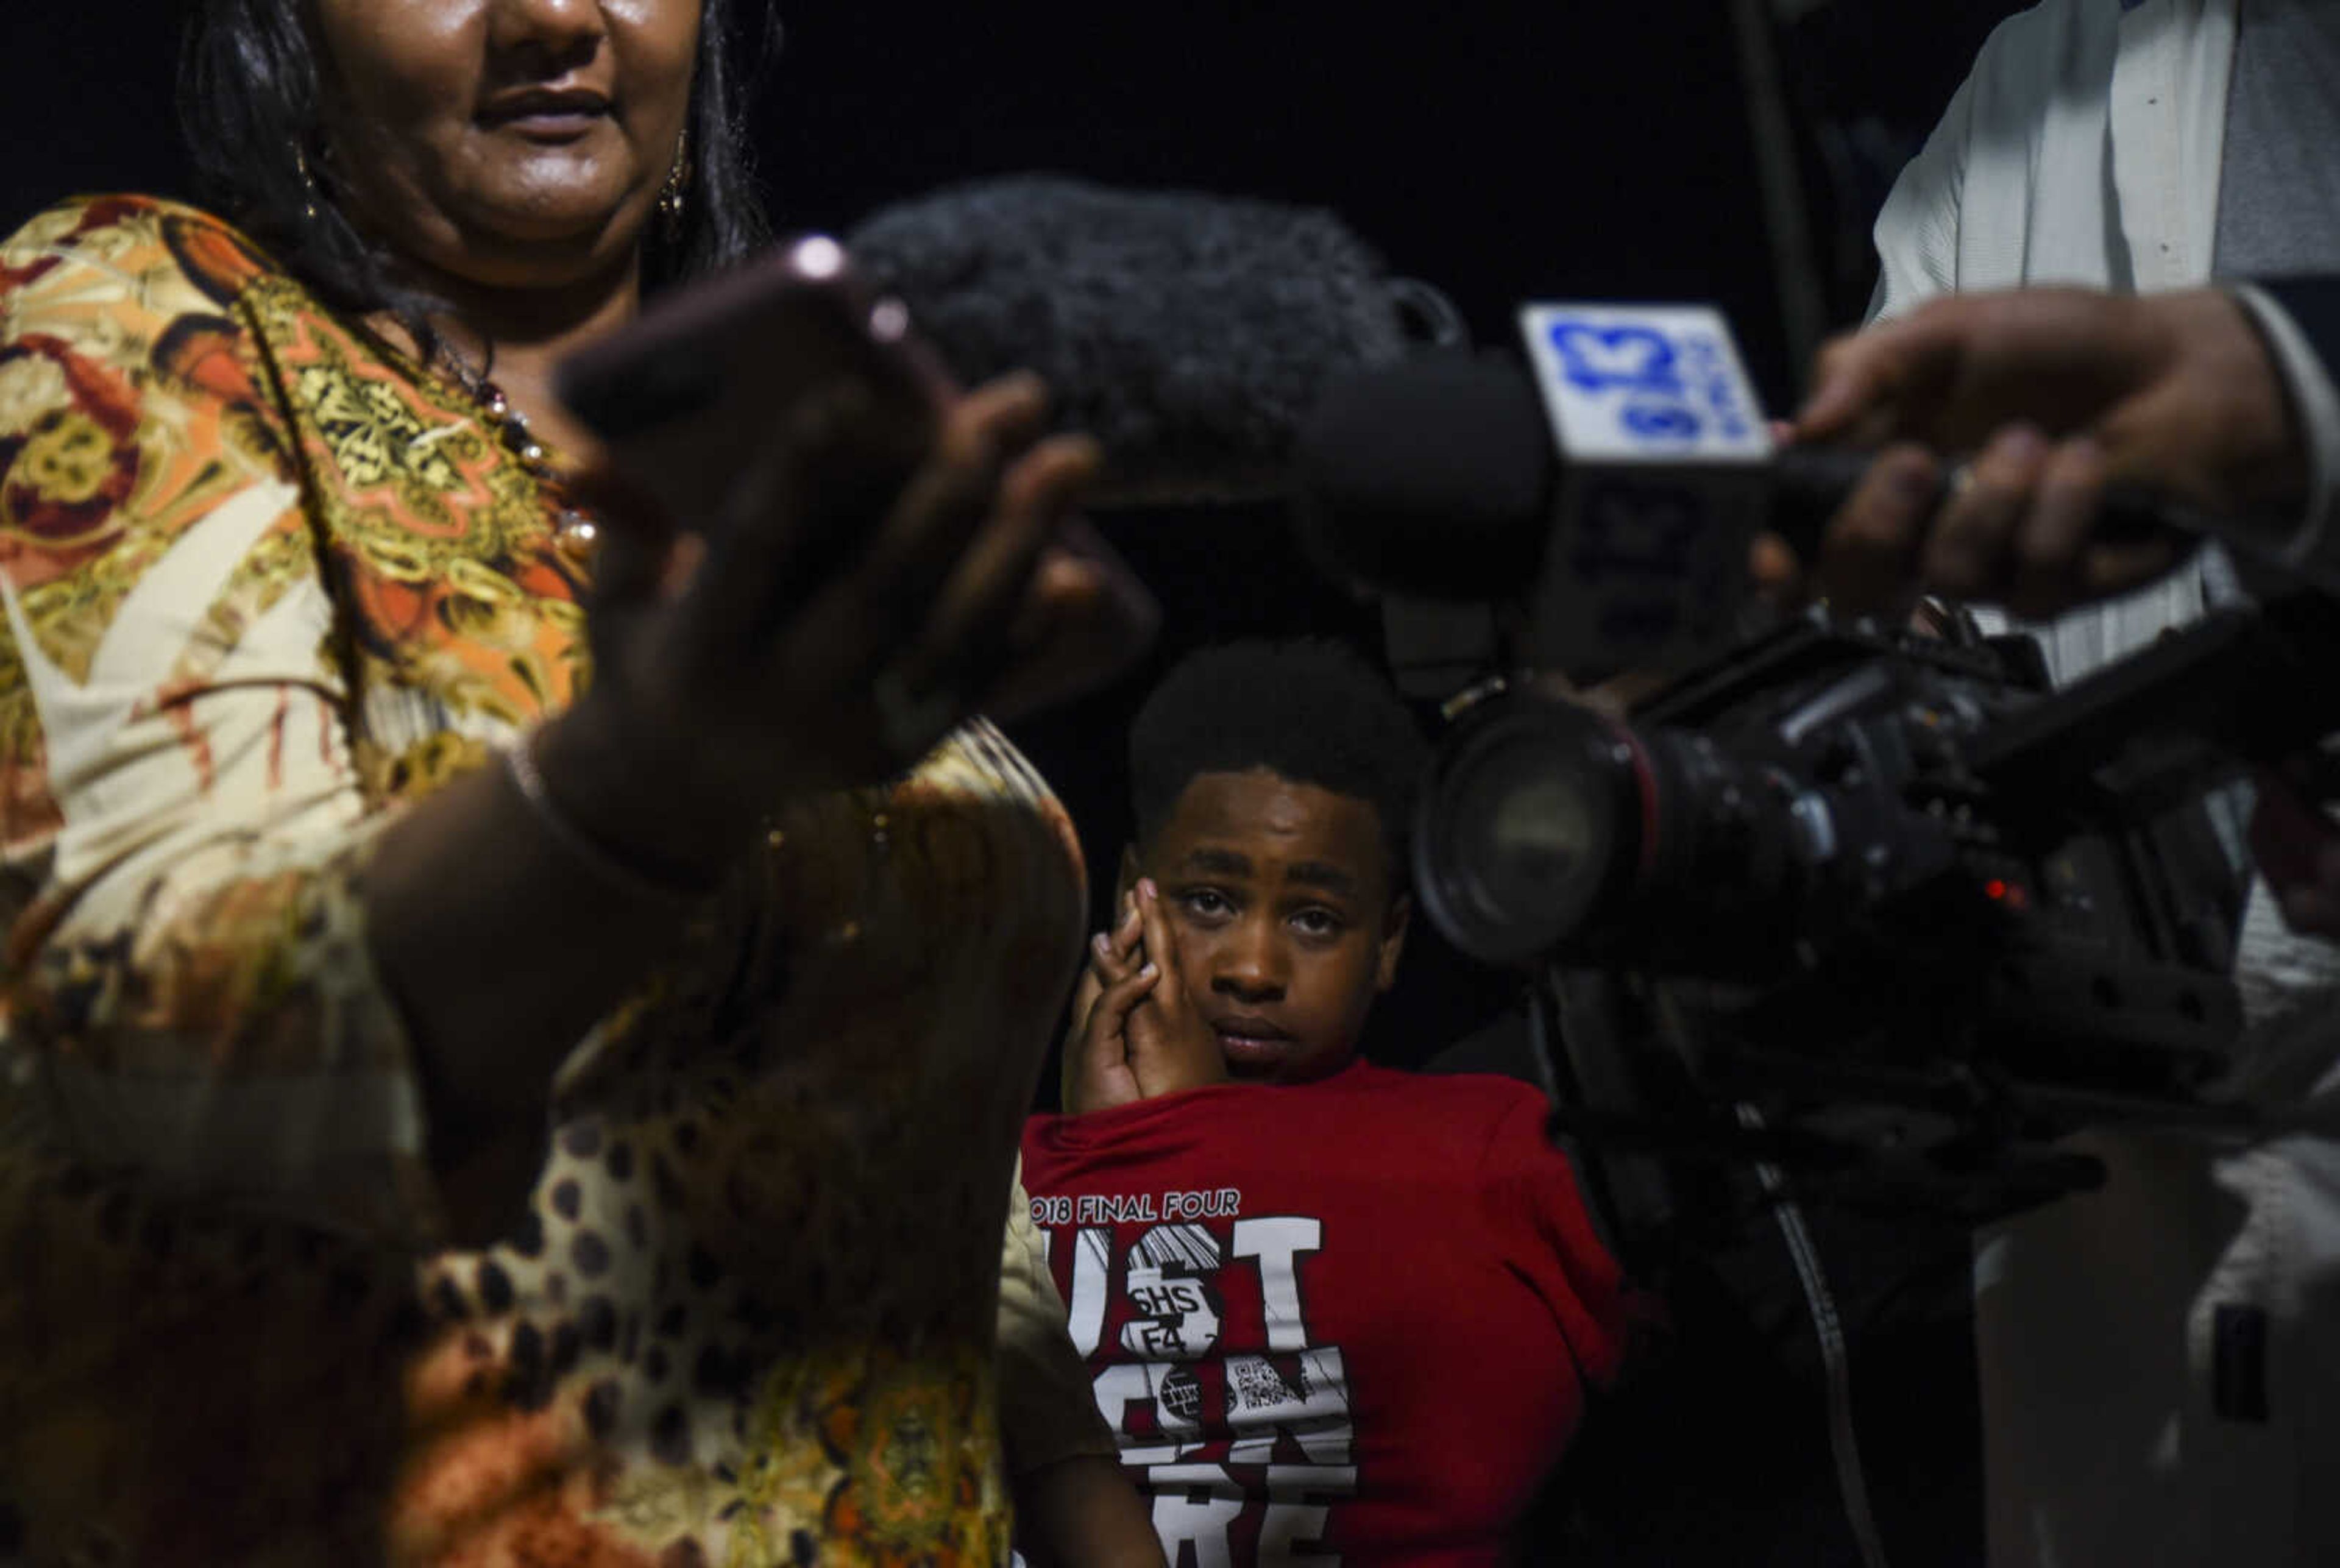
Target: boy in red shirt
x,y
1332,1312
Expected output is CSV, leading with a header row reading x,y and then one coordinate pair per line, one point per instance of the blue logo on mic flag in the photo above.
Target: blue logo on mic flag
x,y
1661,421
1664,380
1616,359
1663,454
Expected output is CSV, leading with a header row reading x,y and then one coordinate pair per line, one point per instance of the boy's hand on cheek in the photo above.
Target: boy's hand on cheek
x,y
1170,1045
1116,981
1135,1034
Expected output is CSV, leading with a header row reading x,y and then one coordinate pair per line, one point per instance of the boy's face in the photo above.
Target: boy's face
x,y
1278,895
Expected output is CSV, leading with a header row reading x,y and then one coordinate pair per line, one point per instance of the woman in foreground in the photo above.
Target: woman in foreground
x,y
451,1111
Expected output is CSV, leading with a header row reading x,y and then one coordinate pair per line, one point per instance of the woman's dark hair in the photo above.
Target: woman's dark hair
x,y
249,91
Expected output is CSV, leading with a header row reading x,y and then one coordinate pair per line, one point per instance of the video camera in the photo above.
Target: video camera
x,y
1870,903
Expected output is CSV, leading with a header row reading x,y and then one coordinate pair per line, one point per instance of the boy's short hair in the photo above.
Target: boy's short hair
x,y
1310,709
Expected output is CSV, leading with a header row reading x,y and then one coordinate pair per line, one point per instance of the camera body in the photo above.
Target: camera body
x,y
1917,913
1842,896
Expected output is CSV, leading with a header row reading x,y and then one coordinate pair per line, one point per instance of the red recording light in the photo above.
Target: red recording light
x,y
2012,894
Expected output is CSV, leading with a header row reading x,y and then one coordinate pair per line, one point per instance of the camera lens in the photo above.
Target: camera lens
x,y
1539,831
1527,824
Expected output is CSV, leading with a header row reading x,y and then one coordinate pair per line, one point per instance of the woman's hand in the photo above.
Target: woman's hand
x,y
755,660
1135,1034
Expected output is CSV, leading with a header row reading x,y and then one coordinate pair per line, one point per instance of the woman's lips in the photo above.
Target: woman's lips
x,y
545,115
550,127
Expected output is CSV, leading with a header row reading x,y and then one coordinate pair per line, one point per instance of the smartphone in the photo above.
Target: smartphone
x,y
689,395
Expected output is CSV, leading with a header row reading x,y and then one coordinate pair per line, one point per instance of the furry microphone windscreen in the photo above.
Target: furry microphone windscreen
x,y
1190,334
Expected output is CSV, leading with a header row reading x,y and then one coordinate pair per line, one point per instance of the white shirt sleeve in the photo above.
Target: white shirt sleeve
x,y
1916,231
2313,548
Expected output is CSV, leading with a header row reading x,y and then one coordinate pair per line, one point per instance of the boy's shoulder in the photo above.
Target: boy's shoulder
x,y
1365,1106
1459,1113
1452,1091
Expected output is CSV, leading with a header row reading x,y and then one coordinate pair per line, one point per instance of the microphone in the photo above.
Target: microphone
x,y
1615,484
1190,334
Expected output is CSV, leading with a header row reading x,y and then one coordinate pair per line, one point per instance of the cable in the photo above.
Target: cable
x,y
1835,1357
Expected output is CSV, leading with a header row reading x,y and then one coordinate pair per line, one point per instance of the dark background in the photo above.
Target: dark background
x,y
1505,151
1502,151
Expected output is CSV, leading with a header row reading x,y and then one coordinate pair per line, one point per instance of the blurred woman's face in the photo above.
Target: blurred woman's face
x,y
511,144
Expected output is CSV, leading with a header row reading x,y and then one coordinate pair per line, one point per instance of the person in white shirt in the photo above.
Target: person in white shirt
x,y
2160,1361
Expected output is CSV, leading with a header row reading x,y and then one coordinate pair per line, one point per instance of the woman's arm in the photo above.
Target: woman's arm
x,y
707,710
1082,1512
190,991
1073,1504
225,973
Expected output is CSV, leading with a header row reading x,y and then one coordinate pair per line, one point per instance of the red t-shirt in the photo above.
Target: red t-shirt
x,y
1350,1317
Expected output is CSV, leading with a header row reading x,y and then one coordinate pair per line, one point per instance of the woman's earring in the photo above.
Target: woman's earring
x,y
309,194
671,195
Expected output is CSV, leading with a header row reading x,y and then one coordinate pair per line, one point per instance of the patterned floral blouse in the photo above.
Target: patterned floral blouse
x,y
265,582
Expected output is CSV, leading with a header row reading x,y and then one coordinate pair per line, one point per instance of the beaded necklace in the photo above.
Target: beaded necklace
x,y
575,532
